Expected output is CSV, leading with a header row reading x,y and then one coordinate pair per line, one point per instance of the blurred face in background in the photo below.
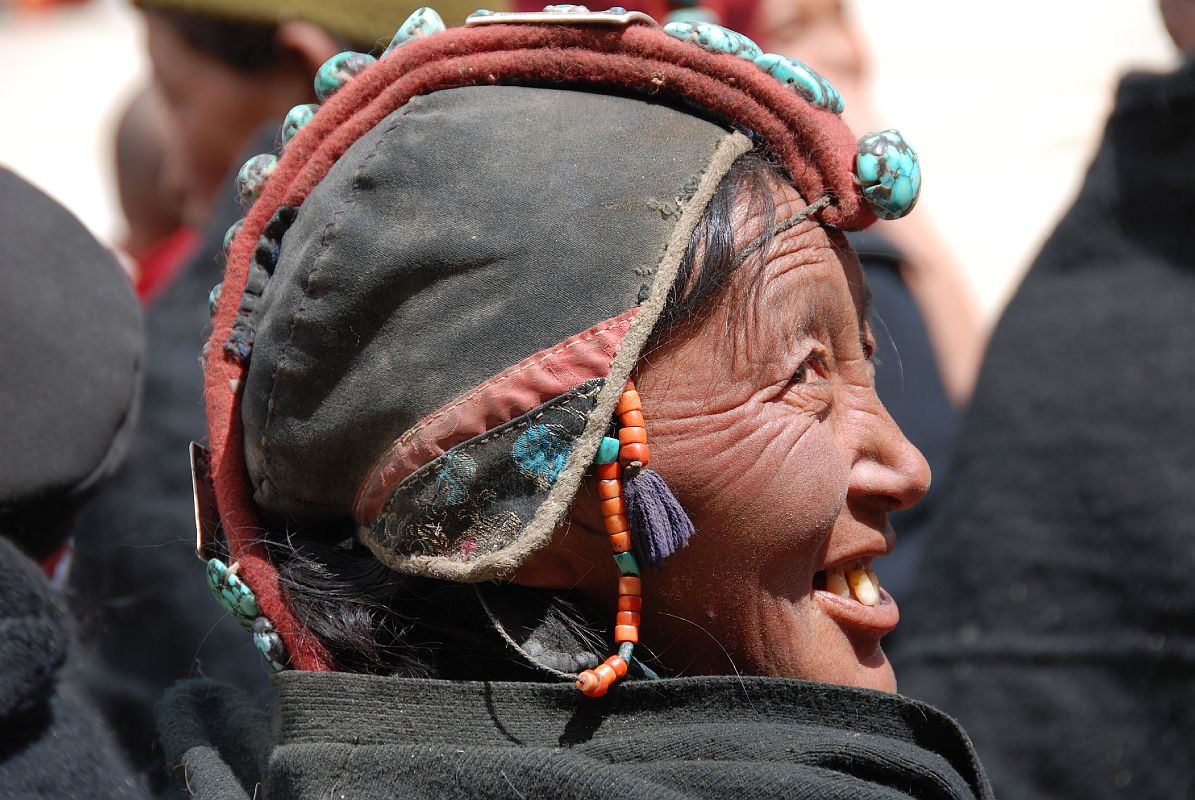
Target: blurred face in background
x,y
220,82
1179,16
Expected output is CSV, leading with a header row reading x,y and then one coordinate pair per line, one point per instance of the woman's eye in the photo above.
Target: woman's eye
x,y
810,371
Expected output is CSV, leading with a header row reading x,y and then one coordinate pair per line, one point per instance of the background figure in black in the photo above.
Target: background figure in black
x,y
1056,613
72,354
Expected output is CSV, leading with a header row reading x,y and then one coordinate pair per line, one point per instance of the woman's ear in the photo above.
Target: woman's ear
x,y
302,49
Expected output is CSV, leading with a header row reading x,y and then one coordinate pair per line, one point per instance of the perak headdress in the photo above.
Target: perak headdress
x,y
433,307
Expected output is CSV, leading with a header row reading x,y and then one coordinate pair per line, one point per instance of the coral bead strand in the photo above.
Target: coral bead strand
x,y
632,447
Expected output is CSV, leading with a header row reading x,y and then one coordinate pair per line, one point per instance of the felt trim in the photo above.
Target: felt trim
x,y
815,146
516,391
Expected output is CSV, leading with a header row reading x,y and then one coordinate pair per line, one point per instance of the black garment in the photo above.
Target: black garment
x,y
909,384
71,355
54,743
1057,618
137,588
373,737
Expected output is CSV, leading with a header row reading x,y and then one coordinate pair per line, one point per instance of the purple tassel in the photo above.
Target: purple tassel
x,y
659,525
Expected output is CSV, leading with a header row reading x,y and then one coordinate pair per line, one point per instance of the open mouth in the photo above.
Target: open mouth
x,y
850,593
855,581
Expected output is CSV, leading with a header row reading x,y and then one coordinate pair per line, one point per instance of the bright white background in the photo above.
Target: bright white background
x,y
1004,101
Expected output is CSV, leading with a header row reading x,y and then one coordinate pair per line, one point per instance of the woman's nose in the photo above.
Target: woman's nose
x,y
890,471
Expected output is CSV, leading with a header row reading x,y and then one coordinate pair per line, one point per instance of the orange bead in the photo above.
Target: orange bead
x,y
615,505
620,542
626,633
627,618
608,472
606,673
609,489
632,419
618,665
630,602
628,402
633,452
590,684
629,584
617,523
631,436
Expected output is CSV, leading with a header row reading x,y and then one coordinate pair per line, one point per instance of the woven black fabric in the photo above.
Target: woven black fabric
x,y
371,737
1056,613
53,742
71,355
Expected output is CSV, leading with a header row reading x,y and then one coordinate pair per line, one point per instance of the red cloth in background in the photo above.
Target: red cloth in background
x,y
159,263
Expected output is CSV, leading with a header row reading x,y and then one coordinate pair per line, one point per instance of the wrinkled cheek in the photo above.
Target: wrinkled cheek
x,y
762,493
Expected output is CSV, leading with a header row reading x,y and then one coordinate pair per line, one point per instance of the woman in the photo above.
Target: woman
x,y
422,387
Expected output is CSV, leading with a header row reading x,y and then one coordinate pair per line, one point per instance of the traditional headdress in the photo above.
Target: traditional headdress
x,y
434,305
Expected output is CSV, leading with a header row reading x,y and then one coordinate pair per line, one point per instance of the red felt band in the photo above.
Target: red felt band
x,y
814,144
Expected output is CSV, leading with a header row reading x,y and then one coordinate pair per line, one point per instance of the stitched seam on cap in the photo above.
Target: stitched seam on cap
x,y
316,264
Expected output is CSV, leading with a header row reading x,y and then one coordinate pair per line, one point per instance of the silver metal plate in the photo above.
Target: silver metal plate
x,y
207,515
615,17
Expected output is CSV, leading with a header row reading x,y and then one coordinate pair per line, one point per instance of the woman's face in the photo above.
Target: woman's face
x,y
765,422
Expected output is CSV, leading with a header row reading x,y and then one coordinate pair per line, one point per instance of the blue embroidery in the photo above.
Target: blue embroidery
x,y
541,453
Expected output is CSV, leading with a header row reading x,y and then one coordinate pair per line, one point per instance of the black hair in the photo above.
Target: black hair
x,y
247,46
374,620
244,45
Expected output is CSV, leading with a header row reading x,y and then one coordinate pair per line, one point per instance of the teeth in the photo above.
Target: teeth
x,y
866,592
836,583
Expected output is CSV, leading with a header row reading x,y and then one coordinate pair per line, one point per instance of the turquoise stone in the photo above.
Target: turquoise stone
x,y
422,22
802,79
232,592
565,8
253,176
693,15
627,565
269,644
231,234
213,298
714,38
481,12
626,650
889,174
339,70
607,451
296,119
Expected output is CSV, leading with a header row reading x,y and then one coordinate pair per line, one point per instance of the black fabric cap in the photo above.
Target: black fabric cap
x,y
72,355
470,229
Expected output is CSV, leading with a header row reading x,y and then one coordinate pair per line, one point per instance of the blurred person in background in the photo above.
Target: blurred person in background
x,y
225,71
1057,616
72,352
156,238
929,334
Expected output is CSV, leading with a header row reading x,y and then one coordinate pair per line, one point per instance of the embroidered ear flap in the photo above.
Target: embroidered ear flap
x,y
634,500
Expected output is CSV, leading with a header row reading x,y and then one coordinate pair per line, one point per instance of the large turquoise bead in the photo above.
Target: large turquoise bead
x,y
422,22
213,298
889,174
802,79
714,38
232,593
231,234
339,70
296,119
253,176
269,644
